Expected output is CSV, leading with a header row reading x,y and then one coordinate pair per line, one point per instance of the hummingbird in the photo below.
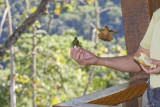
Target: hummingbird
x,y
105,34
76,42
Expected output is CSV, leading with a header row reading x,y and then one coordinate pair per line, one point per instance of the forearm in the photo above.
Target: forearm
x,y
124,63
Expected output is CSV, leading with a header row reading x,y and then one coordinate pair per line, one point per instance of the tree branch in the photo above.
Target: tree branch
x,y
109,8
21,29
12,60
3,19
41,31
82,1
91,74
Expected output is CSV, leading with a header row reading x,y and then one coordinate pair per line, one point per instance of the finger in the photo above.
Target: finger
x,y
150,71
82,55
81,58
71,52
75,49
78,54
154,71
156,62
144,69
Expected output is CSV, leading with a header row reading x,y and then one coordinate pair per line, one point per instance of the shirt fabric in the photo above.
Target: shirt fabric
x,y
151,41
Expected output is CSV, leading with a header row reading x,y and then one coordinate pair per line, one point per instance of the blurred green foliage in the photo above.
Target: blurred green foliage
x,y
59,78
1,2
73,14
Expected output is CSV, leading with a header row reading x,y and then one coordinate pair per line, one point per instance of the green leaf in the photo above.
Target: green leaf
x,y
38,25
32,10
70,8
1,2
58,5
30,28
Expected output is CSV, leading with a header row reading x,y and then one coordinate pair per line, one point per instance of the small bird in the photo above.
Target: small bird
x,y
105,34
76,42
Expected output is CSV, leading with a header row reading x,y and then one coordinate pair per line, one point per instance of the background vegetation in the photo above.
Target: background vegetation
x,y
56,76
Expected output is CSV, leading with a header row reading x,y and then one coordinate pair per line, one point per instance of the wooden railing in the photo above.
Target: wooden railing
x,y
110,96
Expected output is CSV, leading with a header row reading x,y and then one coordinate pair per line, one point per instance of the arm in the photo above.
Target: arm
x,y
123,63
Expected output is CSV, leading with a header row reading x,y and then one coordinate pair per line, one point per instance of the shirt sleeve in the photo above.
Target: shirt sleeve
x,y
146,41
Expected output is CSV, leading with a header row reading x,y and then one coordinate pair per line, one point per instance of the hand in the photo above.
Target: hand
x,y
83,57
152,71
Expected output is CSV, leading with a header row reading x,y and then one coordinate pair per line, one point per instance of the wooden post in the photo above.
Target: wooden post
x,y
153,6
158,3
136,18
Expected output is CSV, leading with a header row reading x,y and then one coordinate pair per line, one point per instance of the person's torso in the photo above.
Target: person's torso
x,y
155,51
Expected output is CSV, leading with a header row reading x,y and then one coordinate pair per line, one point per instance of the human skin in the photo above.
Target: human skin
x,y
152,71
122,63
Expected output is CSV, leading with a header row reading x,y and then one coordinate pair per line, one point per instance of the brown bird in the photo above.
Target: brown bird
x,y
105,34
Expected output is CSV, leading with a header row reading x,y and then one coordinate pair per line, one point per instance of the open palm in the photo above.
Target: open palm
x,y
83,57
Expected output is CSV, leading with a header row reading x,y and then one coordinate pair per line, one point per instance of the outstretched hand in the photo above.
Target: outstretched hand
x,y
83,57
152,71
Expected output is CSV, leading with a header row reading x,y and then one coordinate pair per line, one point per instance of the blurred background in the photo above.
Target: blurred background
x,y
44,72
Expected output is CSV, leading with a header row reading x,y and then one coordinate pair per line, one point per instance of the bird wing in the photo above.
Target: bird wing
x,y
100,30
112,32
